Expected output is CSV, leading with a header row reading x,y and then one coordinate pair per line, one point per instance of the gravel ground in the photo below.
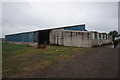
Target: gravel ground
x,y
87,63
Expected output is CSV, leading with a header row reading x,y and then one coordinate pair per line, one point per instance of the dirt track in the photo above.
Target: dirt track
x,y
88,63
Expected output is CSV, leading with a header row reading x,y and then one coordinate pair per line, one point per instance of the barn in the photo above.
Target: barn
x,y
75,35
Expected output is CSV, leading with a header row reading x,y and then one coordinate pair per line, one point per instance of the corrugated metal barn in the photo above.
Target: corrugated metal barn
x,y
39,36
75,35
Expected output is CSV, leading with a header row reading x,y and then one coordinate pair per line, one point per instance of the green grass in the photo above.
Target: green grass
x,y
8,48
20,59
0,57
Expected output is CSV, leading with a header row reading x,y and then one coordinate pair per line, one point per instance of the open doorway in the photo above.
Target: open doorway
x,y
43,37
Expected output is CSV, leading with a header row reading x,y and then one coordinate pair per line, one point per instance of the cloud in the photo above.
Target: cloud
x,y
26,16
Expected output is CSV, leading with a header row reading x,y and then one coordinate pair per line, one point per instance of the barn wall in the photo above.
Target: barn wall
x,y
64,36
14,37
105,38
78,28
67,36
22,37
77,38
71,38
56,37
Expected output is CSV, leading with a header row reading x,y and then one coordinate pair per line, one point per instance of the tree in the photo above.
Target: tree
x,y
114,34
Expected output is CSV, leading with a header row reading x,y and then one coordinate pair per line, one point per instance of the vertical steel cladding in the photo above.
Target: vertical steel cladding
x,y
78,27
22,37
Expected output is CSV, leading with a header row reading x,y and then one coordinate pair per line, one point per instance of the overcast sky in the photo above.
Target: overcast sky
x,y
29,16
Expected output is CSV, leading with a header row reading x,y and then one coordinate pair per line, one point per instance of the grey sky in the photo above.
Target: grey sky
x,y
29,16
119,17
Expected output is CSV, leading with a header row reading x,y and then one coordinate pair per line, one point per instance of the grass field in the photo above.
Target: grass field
x,y
21,61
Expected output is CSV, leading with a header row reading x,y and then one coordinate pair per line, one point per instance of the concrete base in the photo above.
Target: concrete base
x,y
25,43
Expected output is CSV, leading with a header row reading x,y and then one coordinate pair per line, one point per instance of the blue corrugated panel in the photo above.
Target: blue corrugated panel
x,y
80,28
15,37
22,37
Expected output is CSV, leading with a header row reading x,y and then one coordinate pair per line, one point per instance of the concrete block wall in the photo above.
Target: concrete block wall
x,y
71,38
87,39
105,39
67,38
94,42
56,37
77,38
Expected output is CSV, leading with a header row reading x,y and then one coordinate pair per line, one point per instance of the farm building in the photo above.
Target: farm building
x,y
75,35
